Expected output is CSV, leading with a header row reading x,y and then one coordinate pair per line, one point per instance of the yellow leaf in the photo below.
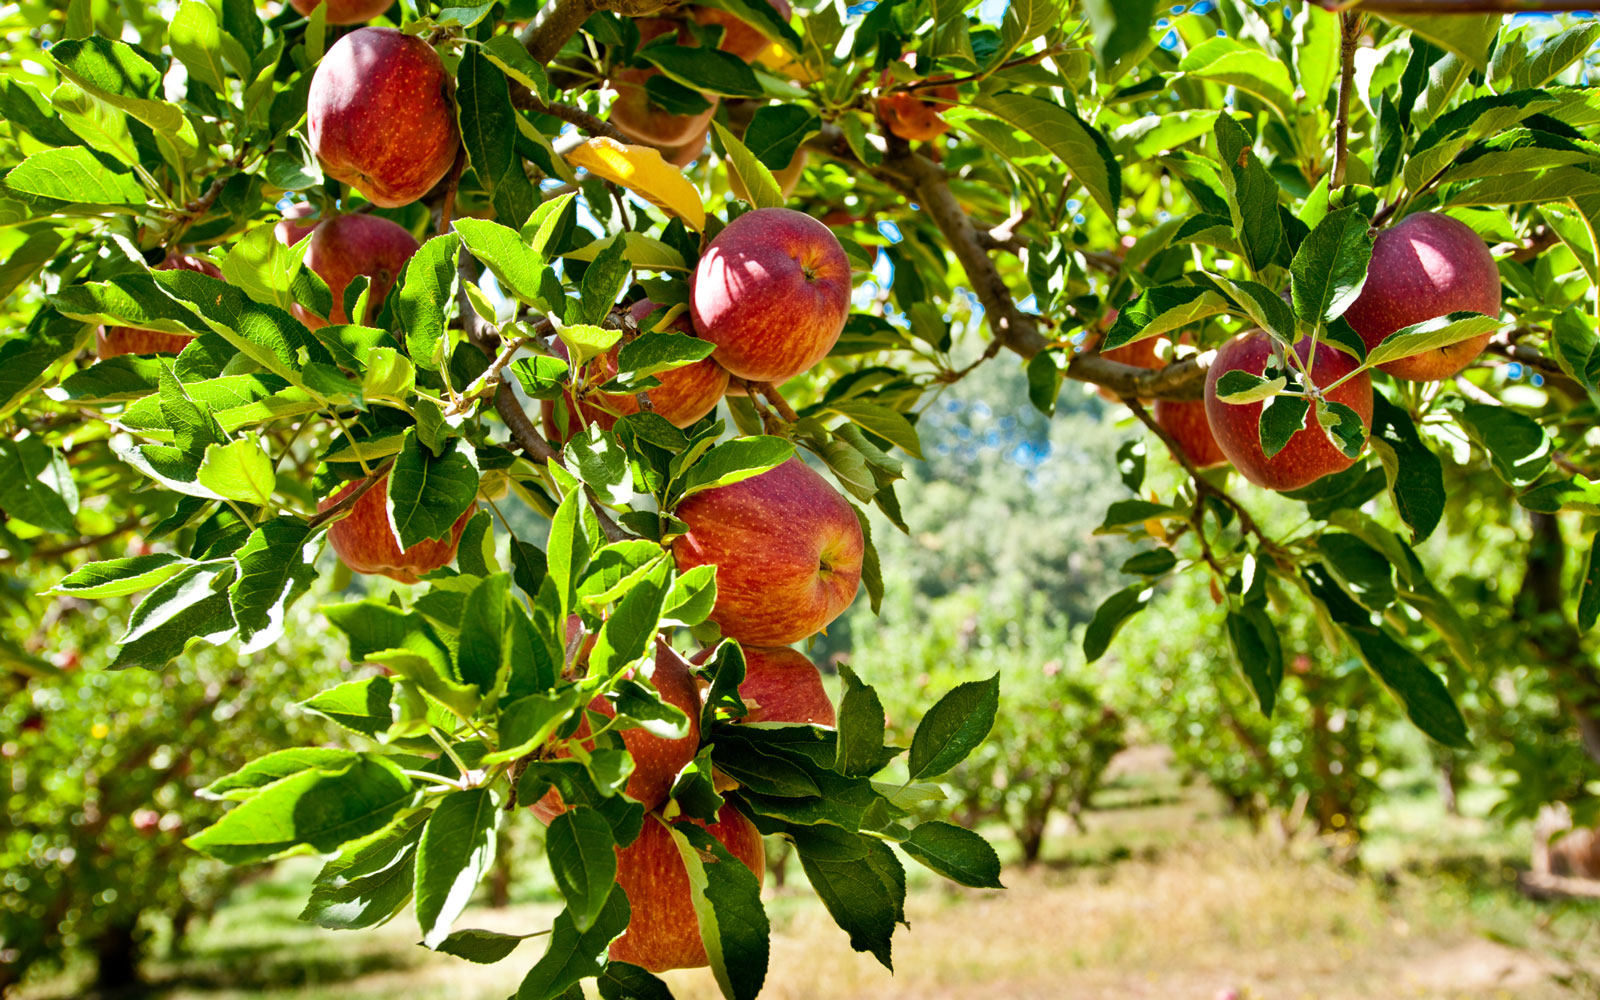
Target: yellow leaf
x,y
641,170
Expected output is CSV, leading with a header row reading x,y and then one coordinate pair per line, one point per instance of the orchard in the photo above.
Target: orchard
x,y
526,387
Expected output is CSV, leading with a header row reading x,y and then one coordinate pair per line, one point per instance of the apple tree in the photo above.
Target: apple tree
x,y
293,278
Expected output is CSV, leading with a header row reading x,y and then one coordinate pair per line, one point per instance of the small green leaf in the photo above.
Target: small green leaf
x,y
953,727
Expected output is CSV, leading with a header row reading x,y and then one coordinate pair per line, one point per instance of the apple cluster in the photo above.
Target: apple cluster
x,y
1425,266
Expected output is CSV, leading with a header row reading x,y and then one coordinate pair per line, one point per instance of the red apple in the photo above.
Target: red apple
x,y
783,685
345,11
683,156
381,115
349,245
738,37
1309,455
787,548
663,932
367,544
119,340
656,761
634,114
292,229
684,396
772,292
1426,265
1186,422
913,115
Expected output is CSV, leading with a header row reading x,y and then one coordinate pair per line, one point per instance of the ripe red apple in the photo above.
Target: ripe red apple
x,y
381,115
656,761
1186,422
683,156
1309,455
663,931
685,394
345,11
119,340
1424,266
787,177
787,548
738,37
772,292
296,224
634,114
367,544
913,115
783,685
349,245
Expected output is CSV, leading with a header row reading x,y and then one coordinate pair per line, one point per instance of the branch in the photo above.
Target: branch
x,y
1350,28
575,116
556,22
1178,382
343,507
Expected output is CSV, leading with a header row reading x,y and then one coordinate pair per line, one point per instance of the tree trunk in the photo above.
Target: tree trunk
x,y
778,864
500,875
1447,785
117,957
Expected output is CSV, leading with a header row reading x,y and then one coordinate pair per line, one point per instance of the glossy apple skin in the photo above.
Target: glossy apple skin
x,y
297,223
783,685
663,932
656,761
772,291
787,548
1187,423
366,543
349,245
344,11
1426,265
740,38
1309,455
684,396
381,115
120,340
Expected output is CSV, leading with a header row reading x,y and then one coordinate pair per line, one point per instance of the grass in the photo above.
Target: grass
x,y
1164,896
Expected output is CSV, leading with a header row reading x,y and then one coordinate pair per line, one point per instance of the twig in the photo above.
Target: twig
x,y
558,21
1039,56
1350,26
576,116
344,505
775,397
447,204
50,552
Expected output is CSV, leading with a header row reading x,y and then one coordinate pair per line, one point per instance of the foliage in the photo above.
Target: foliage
x,y
1192,172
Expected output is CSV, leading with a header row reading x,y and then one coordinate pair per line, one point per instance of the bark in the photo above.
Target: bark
x,y
117,952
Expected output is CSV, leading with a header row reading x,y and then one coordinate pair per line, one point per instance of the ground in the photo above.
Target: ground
x,y
1164,897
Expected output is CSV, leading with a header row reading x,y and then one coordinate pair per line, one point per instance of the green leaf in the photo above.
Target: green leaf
x,y
1281,419
195,35
1079,146
457,850
1110,616
541,377
735,461
865,897
889,424
483,108
708,71
1589,590
1573,493
1231,63
953,727
574,954
508,54
1121,27
369,881
320,809
477,945
727,903
1468,36
486,643
776,132
654,353
1441,331
360,706
36,484
1414,473
240,471
121,76
119,577
1125,512
429,493
1152,562
1365,572
191,606
426,290
762,16
1255,645
860,727
1518,447
275,569
760,188
956,853
1239,387
517,267
603,280
263,771
622,981
74,174
1330,268
583,860
1251,191
1162,309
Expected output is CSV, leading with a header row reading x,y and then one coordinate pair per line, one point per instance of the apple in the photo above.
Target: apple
x,y
634,114
381,115
1140,354
787,177
684,396
349,245
366,543
656,761
913,115
1309,455
683,156
1424,266
119,340
772,292
787,548
291,229
738,37
663,932
345,11
1187,423
783,685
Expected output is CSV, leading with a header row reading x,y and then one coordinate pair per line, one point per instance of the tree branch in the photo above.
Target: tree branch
x,y
585,122
558,21
1350,34
343,507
